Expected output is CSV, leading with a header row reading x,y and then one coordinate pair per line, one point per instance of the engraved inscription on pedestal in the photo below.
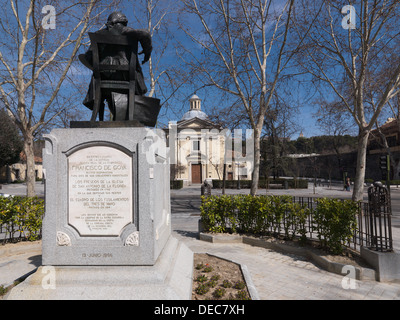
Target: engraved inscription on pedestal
x,y
100,191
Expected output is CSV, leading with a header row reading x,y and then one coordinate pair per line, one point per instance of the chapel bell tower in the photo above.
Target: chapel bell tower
x,y
195,103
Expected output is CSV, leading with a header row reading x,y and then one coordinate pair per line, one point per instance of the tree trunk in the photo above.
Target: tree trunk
x,y
358,191
8,174
223,179
256,168
30,165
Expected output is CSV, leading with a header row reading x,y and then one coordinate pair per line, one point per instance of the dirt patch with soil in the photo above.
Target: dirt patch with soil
x,y
217,279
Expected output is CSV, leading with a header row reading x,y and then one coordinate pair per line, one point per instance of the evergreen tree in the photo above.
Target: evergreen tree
x,y
10,142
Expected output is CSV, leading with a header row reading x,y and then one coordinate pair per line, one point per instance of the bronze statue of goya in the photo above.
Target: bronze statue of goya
x,y
118,77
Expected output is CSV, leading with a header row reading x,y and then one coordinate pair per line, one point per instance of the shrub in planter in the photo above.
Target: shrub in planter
x,y
295,220
32,210
278,210
176,184
335,222
8,214
247,212
217,213
23,215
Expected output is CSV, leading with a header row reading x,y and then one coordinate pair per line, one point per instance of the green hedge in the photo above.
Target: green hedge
x,y
334,221
262,184
391,182
21,218
176,184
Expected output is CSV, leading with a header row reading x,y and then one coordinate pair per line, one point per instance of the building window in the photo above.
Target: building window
x,y
196,145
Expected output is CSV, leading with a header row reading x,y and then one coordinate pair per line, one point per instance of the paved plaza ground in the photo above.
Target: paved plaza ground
x,y
276,276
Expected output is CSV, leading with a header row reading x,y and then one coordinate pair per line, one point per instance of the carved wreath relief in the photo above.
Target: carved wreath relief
x,y
132,240
63,240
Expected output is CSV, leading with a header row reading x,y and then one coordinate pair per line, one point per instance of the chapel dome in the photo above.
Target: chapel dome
x,y
194,114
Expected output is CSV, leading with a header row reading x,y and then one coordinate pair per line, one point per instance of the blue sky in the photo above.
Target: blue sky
x,y
210,97
179,104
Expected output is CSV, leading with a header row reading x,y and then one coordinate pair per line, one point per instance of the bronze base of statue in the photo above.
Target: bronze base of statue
x,y
105,124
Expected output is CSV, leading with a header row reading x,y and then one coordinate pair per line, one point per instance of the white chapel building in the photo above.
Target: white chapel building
x,y
197,147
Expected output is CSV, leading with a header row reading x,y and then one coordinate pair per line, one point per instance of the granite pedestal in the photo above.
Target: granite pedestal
x,y
108,220
169,279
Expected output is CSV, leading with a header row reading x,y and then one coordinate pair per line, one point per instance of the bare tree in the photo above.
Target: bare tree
x,y
39,43
244,52
165,76
347,52
152,15
333,120
155,20
280,125
10,142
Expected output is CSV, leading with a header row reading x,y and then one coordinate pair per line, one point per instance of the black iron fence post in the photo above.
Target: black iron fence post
x,y
380,212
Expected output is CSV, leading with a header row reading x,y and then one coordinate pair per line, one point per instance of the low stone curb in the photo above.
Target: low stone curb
x,y
362,273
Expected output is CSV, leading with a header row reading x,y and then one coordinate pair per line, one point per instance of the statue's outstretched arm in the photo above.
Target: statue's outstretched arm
x,y
144,37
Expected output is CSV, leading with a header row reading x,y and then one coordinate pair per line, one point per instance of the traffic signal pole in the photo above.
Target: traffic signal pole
x,y
384,164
